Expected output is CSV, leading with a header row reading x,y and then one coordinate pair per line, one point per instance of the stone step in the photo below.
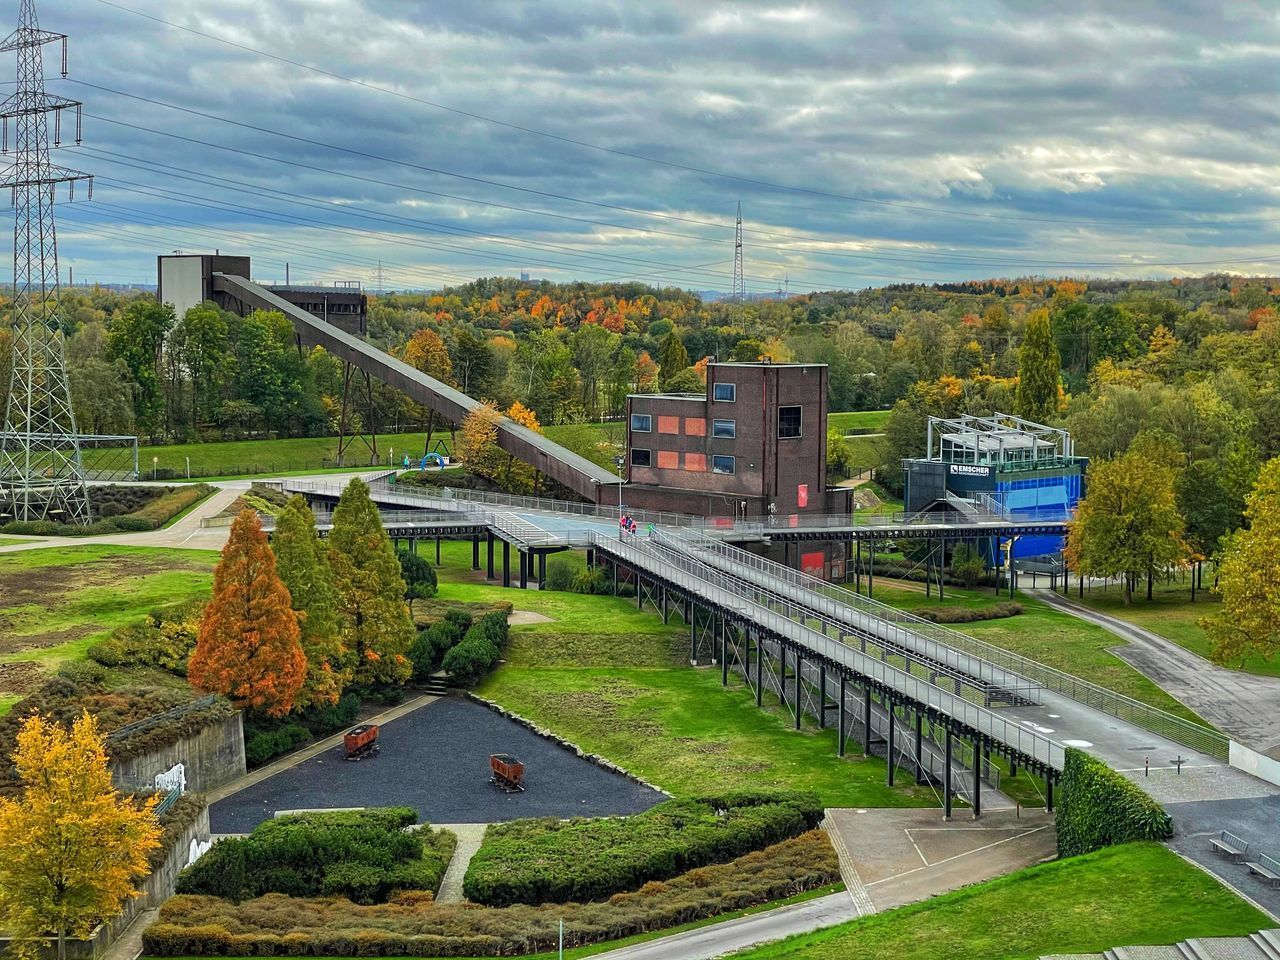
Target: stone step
x,y
1268,941
1145,953
1225,948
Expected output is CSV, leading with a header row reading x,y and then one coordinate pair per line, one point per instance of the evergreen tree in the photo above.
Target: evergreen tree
x,y
371,607
248,647
303,564
672,357
1039,367
1249,578
72,848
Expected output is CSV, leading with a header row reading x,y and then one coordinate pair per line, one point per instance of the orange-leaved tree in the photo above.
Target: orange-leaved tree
x,y
72,848
426,352
248,648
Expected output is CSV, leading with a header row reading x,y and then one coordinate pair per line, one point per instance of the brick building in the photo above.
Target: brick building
x,y
756,439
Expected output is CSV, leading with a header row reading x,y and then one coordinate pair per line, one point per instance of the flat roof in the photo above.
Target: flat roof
x,y
996,440
667,396
760,363
309,288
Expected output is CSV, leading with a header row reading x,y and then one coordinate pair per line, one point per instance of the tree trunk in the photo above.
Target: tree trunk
x,y
62,943
1150,579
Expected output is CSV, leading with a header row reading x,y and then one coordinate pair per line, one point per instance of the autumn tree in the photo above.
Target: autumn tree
x,y
520,477
1249,578
248,648
478,441
72,848
672,357
371,607
1128,525
1039,368
302,561
427,353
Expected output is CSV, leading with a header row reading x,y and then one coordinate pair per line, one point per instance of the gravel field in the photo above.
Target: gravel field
x,y
436,760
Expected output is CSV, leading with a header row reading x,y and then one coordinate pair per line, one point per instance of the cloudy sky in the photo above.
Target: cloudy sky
x,y
867,142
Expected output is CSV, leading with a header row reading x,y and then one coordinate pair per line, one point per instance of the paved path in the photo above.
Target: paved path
x,y
1243,705
721,938
470,836
128,946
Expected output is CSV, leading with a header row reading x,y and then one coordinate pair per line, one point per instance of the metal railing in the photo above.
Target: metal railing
x,y
810,591
690,575
1153,719
156,719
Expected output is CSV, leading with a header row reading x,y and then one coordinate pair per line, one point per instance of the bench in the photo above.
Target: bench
x,y
1229,845
1266,868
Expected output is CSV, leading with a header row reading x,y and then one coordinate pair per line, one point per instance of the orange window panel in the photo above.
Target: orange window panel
x,y
696,461
695,426
668,424
668,460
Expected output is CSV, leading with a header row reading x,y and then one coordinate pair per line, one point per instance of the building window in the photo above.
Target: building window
x,y
788,423
641,423
725,392
724,429
641,458
723,465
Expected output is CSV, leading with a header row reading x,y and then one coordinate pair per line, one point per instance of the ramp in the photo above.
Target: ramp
x,y
579,474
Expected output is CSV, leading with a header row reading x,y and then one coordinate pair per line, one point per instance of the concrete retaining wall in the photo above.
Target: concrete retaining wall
x,y
213,757
1254,763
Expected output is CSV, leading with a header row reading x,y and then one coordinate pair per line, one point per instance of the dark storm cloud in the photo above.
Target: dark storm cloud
x,y
1131,136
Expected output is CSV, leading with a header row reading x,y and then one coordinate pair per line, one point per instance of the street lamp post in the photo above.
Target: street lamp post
x,y
155,469
188,468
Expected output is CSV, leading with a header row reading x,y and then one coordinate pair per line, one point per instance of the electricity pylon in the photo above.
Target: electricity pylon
x,y
41,472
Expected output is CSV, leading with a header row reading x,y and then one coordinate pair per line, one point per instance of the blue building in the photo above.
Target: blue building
x,y
998,464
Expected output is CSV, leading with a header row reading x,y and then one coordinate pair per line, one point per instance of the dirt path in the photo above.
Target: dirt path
x,y
1243,705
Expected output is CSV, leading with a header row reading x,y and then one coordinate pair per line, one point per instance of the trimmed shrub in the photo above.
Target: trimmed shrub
x,y
591,582
83,672
429,649
419,577
1100,807
265,745
164,639
561,571
478,650
997,611
541,861
363,855
123,511
411,925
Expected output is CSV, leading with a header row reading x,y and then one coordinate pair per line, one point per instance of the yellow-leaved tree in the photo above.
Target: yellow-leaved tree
x,y
72,848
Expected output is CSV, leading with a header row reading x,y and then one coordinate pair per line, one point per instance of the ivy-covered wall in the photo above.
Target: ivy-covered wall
x,y
1100,807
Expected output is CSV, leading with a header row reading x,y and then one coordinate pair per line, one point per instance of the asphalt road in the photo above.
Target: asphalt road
x,y
1244,705
436,760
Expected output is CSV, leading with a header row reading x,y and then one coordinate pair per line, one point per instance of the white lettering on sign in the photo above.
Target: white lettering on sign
x,y
970,470
175,778
197,850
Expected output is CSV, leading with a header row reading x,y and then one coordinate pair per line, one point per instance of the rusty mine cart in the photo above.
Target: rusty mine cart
x,y
361,742
507,773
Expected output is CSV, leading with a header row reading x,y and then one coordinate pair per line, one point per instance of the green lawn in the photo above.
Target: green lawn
x,y
617,683
1131,895
10,541
1171,614
60,600
1048,636
849,421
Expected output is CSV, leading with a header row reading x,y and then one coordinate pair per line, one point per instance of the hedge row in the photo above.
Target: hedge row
x,y
413,926
266,738
554,861
1100,807
363,855
478,650
997,611
151,516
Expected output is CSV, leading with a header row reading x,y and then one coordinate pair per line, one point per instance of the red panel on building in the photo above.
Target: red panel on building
x,y
668,425
813,563
802,495
695,427
696,462
668,459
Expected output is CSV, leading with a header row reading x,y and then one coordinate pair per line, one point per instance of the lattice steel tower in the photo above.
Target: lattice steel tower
x,y
739,284
41,472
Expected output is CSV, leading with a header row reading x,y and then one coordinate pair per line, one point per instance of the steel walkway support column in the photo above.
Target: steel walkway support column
x,y
866,720
693,632
977,778
475,551
840,720
1048,793
490,574
888,752
782,674
871,569
822,696
919,749
542,567
724,652
437,551
799,674
506,563
525,561
946,777
857,569
759,671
